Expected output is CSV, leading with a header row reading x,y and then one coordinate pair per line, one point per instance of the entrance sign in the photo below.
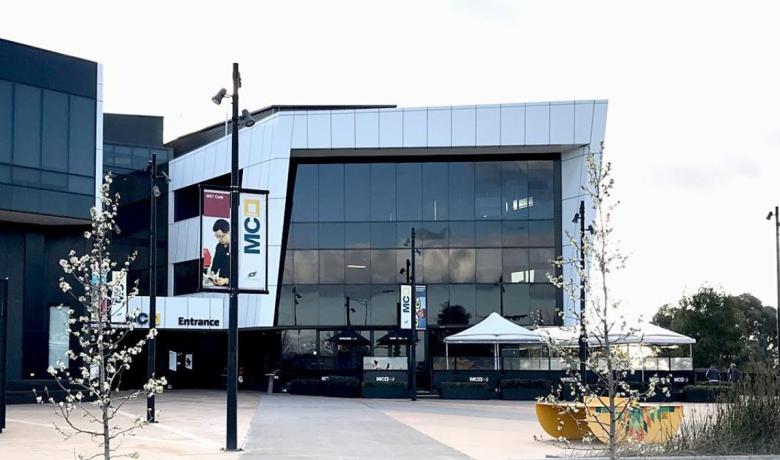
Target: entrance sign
x,y
422,307
217,249
406,306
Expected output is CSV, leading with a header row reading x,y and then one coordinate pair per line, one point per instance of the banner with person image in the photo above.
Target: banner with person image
x,y
216,246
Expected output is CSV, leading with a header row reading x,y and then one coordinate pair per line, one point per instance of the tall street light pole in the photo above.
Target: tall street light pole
x,y
232,377
583,355
413,335
777,251
154,193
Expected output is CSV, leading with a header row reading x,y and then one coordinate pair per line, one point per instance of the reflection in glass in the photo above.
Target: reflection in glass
x,y
514,233
383,196
435,186
488,234
462,307
488,301
515,266
461,234
541,233
436,265
540,261
305,310
462,265
331,193
488,190
304,236
305,267
384,305
516,304
434,235
514,190
357,192
461,191
358,266
541,188
383,265
409,189
383,235
331,305
332,267
357,236
305,194
331,235
488,265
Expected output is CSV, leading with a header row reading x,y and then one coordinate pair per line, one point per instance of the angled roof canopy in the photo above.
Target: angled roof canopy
x,y
494,329
646,333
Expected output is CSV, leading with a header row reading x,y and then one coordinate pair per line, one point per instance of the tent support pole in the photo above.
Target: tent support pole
x,y
446,356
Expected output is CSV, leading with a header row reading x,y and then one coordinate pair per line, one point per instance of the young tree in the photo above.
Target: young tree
x,y
610,401
101,326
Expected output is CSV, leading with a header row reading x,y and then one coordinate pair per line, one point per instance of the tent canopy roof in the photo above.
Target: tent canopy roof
x,y
495,329
646,333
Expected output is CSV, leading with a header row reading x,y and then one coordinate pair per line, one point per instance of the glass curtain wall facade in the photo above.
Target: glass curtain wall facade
x,y
487,231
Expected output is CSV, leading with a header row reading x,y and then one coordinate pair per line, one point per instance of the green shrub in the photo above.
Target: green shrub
x,y
713,387
525,384
305,387
344,387
392,383
465,386
745,422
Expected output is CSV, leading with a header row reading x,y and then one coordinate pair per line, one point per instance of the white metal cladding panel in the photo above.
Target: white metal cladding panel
x,y
391,127
281,132
440,127
274,254
277,177
172,308
537,124
415,129
488,125
217,310
562,123
573,172
583,121
318,129
367,128
599,125
275,221
512,124
264,315
299,134
464,124
342,129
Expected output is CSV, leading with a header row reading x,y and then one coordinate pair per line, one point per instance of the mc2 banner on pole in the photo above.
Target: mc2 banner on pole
x,y
215,240
406,306
422,307
217,249
253,244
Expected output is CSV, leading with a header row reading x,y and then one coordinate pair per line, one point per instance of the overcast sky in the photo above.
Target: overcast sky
x,y
693,128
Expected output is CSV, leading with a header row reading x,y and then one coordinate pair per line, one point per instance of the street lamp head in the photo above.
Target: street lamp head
x,y
770,215
217,99
576,218
247,119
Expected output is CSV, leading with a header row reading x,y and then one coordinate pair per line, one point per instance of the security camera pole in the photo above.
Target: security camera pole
x,y
777,250
152,351
232,377
413,334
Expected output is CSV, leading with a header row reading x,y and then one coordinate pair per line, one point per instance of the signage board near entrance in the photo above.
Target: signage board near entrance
x,y
421,310
181,312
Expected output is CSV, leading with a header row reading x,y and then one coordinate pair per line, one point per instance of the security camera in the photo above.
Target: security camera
x,y
166,177
156,191
217,99
247,118
769,216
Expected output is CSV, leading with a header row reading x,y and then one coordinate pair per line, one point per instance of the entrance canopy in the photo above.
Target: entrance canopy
x,y
495,329
646,334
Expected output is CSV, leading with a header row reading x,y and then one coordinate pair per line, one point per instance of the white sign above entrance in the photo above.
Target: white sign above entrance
x,y
182,312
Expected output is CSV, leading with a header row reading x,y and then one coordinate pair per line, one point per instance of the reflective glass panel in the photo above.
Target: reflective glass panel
x,y
461,191
332,267
305,194
435,186
357,192
331,193
409,191
488,190
462,265
514,190
436,265
358,266
305,267
383,195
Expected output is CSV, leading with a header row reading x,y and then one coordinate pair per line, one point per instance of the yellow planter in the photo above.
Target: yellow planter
x,y
645,423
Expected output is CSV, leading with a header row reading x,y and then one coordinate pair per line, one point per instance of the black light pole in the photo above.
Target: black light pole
x,y
777,251
580,216
232,377
154,193
413,335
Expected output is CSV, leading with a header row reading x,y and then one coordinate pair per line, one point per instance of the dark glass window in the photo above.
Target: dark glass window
x,y
515,265
409,190
384,305
433,235
54,132
383,235
331,305
81,158
435,186
540,263
383,192
404,233
541,233
461,191
185,277
514,233
516,303
488,190
305,194
488,263
436,265
541,189
27,126
514,190
304,236
488,301
357,192
462,235
438,301
306,305
462,308
359,301
358,269
285,316
305,267
488,234
287,275
542,303
331,193
6,120
331,235
332,267
383,267
357,236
